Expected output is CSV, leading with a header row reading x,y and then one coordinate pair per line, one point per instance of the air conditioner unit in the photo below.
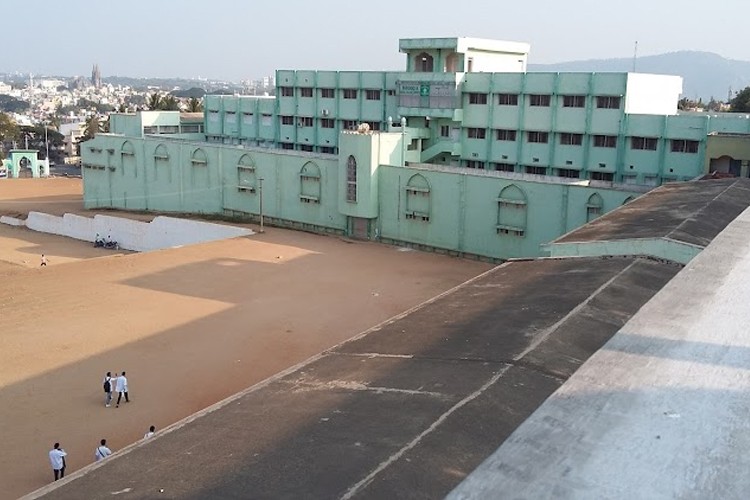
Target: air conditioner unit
x,y
324,112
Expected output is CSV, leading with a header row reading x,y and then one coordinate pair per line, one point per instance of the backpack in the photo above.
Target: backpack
x,y
107,386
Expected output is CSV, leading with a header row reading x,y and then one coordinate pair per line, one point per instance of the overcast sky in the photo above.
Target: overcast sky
x,y
247,39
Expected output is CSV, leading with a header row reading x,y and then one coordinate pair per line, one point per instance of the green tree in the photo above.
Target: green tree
x,y
194,105
741,101
154,101
9,132
93,126
169,103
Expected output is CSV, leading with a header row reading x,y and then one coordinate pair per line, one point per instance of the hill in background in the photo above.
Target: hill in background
x,y
705,74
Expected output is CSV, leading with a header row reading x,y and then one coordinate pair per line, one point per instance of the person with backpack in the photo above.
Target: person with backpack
x,y
102,451
107,389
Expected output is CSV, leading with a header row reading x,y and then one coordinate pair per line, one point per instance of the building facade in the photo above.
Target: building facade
x,y
463,152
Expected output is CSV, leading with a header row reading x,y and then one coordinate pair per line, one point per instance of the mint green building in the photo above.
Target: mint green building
x,y
463,152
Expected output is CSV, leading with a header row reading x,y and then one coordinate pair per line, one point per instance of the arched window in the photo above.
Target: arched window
x,y
199,158
161,162
451,63
511,211
127,158
309,178
246,178
594,207
418,201
423,63
351,179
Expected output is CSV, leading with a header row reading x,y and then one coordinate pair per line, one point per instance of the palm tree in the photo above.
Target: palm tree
x,y
169,103
194,105
154,101
92,127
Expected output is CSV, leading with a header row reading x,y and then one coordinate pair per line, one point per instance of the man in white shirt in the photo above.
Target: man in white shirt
x,y
151,432
102,451
57,460
121,386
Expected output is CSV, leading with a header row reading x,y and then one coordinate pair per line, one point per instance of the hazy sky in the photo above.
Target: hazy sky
x,y
240,39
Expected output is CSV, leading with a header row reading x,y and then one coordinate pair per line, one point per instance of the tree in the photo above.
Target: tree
x,y
194,105
154,101
169,103
93,126
9,132
741,101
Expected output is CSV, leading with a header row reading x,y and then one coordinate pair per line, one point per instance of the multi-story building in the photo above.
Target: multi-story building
x,y
470,103
463,152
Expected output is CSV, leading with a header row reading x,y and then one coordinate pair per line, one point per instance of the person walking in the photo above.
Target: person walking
x,y
121,387
57,460
102,451
107,389
151,432
44,261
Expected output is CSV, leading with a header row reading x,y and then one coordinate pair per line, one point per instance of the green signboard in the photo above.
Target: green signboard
x,y
424,89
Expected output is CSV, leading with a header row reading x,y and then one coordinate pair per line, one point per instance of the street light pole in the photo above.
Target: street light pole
x,y
260,193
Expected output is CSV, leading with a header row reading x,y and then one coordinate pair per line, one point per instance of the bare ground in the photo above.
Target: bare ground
x,y
191,326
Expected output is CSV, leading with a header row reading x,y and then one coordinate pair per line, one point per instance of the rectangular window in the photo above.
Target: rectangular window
x,y
476,133
505,167
445,131
350,93
684,146
373,125
287,145
348,124
602,176
306,147
644,143
574,101
536,170
213,116
327,123
567,139
287,92
475,164
327,93
305,121
541,100
505,135
477,98
287,120
247,118
507,99
305,92
569,173
605,141
538,137
327,150
372,95
265,120
608,102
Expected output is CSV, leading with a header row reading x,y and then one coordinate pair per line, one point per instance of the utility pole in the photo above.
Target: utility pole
x,y
260,193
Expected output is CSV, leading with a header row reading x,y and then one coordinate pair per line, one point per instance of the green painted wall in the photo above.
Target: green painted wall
x,y
448,208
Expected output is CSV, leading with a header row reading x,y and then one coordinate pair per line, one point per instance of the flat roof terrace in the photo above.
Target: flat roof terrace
x,y
408,408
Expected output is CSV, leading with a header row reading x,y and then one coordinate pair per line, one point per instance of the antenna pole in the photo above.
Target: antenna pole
x,y
635,54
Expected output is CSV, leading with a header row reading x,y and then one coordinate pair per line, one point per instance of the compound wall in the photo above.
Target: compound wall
x,y
162,232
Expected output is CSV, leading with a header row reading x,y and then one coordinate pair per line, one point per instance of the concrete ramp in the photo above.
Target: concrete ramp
x,y
139,236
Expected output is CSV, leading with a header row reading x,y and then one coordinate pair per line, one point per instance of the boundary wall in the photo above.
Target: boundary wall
x,y
162,232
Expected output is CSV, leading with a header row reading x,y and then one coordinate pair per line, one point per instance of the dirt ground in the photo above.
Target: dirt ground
x,y
191,326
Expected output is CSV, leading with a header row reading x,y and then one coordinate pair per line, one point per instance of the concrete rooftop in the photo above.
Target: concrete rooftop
x,y
689,212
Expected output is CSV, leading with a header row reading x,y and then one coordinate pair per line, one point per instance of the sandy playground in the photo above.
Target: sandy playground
x,y
190,326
